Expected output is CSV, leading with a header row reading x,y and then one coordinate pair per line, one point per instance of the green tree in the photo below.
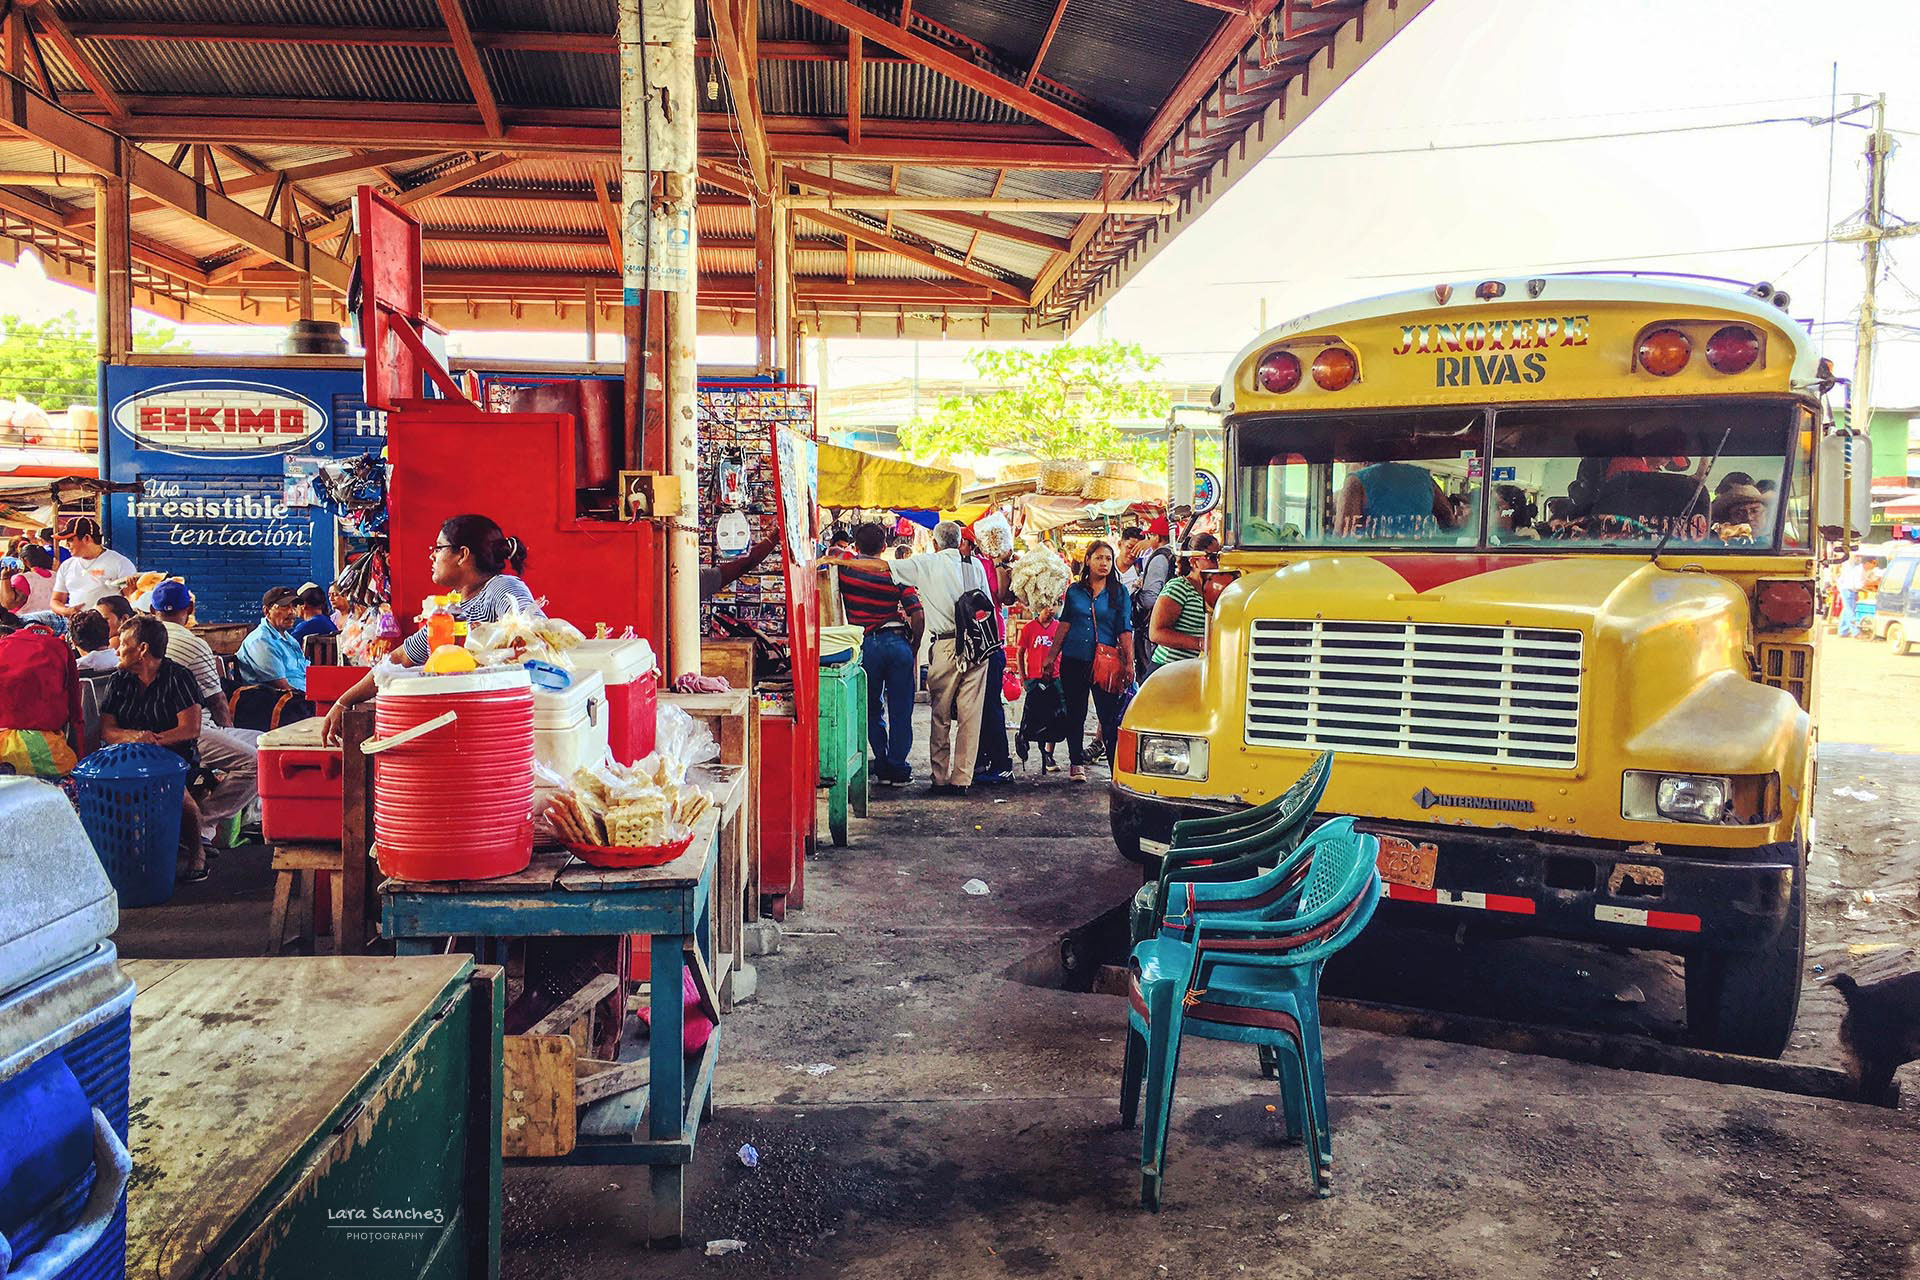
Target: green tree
x,y
1055,402
52,362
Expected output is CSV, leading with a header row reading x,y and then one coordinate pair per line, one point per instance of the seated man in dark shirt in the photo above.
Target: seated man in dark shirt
x,y
154,700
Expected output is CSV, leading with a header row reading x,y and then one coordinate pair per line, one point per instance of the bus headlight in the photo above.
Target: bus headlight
x,y
1168,756
1677,797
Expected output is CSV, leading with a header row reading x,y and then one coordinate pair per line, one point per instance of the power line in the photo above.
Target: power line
x,y
1435,149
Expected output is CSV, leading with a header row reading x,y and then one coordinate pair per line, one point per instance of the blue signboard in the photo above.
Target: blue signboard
x,y
210,449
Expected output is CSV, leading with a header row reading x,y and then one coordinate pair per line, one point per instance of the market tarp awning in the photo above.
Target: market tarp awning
x,y
849,478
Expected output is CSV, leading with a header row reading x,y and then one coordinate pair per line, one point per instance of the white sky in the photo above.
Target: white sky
x,y
1307,229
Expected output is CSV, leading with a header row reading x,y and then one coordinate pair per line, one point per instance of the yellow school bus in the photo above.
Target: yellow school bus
x,y
1535,558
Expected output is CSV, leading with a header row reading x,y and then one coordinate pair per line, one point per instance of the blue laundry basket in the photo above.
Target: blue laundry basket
x,y
130,796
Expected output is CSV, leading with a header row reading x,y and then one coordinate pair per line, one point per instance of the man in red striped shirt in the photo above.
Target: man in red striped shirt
x,y
889,611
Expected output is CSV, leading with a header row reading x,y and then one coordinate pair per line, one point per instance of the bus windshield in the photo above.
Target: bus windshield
x,y
1713,476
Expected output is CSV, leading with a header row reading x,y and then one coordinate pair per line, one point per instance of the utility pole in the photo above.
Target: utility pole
x,y
1879,148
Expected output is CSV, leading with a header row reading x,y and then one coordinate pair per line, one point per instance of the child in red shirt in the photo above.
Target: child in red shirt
x,y
1044,714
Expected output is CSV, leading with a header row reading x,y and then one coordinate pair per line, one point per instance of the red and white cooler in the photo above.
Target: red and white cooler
x,y
632,681
299,784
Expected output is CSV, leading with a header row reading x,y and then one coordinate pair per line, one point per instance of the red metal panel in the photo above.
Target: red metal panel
x,y
517,468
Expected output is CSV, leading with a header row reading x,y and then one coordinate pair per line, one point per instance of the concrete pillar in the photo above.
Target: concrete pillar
x,y
660,252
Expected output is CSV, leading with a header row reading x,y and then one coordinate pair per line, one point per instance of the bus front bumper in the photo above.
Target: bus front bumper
x,y
1679,899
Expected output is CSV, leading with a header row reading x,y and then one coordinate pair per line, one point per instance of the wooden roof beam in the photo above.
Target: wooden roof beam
x,y
604,182
1046,43
445,184
54,30
948,63
856,88
472,67
52,215
735,37
914,253
32,115
971,221
573,42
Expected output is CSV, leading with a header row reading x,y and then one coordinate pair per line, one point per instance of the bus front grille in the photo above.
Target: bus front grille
x,y
1502,695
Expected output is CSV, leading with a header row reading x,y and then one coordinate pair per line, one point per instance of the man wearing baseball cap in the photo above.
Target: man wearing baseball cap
x,y
92,571
270,655
173,605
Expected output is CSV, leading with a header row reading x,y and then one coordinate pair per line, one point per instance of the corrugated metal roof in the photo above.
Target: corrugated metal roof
x,y
324,13
552,79
784,20
909,91
333,72
580,16
1121,55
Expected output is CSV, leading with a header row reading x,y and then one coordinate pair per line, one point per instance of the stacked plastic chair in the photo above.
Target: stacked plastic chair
x,y
1241,961
1232,846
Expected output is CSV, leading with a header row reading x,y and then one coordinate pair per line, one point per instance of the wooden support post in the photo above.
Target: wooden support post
x,y
593,321
351,922
764,357
113,279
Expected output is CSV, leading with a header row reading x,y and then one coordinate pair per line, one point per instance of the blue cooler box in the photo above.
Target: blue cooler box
x,y
65,1023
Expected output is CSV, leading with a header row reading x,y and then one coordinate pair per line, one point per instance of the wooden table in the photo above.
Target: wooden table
x,y
734,718
281,1106
732,795
558,896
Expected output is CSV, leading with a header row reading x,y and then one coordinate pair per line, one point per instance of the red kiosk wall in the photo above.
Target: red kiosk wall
x,y
449,459
790,748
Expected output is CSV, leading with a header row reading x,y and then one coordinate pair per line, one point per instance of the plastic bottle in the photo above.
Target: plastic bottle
x,y
439,622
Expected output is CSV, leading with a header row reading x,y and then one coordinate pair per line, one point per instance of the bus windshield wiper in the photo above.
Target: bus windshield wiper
x,y
1714,461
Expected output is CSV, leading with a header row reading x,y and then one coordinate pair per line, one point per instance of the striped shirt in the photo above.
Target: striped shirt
x,y
871,597
490,603
196,655
1192,620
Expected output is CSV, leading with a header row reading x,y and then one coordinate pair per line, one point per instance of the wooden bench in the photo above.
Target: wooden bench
x,y
296,871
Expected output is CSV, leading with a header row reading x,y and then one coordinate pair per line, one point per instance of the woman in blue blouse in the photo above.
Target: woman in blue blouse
x,y
1098,610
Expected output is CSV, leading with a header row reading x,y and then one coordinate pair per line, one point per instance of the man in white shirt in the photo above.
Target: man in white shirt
x,y
92,571
232,753
956,696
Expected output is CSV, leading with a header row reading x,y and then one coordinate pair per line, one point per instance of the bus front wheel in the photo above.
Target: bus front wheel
x,y
1897,637
1745,1001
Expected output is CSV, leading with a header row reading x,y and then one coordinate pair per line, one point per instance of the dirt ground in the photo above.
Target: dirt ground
x,y
966,1122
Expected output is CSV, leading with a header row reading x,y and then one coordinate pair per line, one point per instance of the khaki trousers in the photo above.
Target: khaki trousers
x,y
956,698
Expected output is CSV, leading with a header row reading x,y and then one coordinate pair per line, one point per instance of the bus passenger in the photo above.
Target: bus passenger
x,y
1390,497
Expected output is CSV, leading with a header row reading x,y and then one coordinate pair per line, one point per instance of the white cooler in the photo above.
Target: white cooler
x,y
570,724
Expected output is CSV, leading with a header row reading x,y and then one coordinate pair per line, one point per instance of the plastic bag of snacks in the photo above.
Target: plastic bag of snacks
x,y
517,636
643,806
682,740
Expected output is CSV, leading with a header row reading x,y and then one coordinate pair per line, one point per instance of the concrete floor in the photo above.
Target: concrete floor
x,y
969,1124
969,1127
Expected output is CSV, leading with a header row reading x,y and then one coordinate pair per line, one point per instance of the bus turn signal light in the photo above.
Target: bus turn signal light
x,y
1334,368
1733,349
1278,372
1785,604
1664,352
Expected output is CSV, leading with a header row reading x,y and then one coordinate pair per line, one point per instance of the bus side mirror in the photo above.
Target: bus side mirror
x,y
1845,493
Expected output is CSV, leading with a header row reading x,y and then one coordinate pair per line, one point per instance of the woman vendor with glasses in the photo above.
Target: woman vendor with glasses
x,y
471,556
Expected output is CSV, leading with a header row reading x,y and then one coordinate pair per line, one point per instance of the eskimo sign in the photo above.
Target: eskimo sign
x,y
219,419
1486,353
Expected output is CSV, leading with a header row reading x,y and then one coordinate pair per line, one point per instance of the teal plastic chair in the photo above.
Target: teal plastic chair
x,y
1232,846
1241,962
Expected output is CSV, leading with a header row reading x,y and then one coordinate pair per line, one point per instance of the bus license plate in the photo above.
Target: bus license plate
x,y
1404,862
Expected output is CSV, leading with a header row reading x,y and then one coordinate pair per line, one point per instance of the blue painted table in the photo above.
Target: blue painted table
x,y
559,896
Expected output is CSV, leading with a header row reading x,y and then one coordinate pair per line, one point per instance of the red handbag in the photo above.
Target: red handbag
x,y
1109,671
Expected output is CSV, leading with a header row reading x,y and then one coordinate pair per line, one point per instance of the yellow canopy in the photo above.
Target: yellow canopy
x,y
849,478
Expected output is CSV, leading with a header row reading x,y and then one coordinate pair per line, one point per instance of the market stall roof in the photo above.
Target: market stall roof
x,y
927,146
850,478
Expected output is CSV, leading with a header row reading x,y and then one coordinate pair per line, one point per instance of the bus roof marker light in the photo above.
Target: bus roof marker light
x,y
1334,369
1664,352
1442,292
1278,372
1488,290
1536,287
1733,349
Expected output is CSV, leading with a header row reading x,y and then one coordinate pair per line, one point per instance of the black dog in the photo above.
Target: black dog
x,y
1881,1032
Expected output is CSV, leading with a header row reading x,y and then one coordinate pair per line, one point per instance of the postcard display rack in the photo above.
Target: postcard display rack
x,y
757,461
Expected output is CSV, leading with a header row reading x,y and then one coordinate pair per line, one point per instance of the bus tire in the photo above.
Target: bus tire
x,y
1126,831
1745,1001
1897,638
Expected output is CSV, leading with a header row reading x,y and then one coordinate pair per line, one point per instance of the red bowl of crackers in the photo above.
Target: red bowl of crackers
x,y
613,859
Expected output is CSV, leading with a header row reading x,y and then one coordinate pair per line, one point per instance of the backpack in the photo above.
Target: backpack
x,y
976,630
1143,600
39,685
